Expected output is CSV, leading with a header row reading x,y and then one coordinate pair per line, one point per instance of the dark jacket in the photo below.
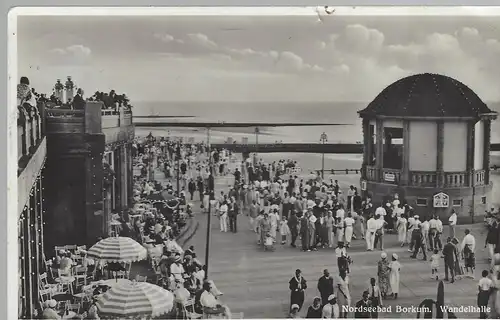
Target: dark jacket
x,y
360,313
325,287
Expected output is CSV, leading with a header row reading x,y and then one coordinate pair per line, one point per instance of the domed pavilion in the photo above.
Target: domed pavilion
x,y
427,138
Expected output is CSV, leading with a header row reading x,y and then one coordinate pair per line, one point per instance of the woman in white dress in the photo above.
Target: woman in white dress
x,y
343,294
394,275
348,229
401,227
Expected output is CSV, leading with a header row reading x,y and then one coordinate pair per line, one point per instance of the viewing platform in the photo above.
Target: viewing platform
x,y
116,125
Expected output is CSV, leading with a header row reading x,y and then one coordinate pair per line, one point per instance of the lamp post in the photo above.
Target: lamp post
x,y
323,139
257,131
211,195
178,156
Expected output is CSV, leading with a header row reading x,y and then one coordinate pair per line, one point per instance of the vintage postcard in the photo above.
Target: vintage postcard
x,y
317,162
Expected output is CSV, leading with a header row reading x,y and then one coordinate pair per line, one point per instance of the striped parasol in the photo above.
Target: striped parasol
x,y
134,299
118,249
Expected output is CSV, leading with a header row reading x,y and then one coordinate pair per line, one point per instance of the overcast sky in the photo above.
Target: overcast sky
x,y
257,58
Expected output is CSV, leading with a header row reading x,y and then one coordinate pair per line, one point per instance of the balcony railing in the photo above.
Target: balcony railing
x,y
428,179
29,133
423,178
73,121
479,177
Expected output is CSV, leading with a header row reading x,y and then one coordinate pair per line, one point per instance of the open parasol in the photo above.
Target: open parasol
x,y
118,249
135,299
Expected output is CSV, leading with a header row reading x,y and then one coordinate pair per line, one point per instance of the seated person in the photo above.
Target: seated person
x,y
189,265
181,293
177,270
210,304
66,263
193,284
50,310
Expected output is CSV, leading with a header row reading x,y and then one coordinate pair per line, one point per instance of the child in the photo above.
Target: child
x,y
269,243
435,264
284,230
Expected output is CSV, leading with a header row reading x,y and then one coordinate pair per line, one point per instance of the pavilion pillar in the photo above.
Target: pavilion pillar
x,y
380,149
471,133
440,152
366,146
487,147
405,172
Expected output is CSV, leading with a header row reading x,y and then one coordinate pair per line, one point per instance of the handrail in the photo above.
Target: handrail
x,y
29,133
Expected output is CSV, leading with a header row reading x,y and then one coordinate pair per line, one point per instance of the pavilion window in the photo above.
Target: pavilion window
x,y
393,148
372,140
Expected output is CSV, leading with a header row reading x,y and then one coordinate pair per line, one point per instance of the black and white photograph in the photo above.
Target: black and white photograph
x,y
223,163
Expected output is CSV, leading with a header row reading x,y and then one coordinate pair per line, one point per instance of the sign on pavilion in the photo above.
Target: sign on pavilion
x,y
441,200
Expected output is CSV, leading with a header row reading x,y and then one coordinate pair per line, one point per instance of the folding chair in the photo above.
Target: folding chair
x,y
188,308
70,247
81,276
59,248
45,295
66,280
44,283
75,307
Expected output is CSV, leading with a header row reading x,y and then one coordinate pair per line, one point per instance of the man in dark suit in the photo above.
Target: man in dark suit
x,y
78,101
325,286
363,307
449,253
293,223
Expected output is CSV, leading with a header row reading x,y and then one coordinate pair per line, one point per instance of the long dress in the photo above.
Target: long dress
x,y
343,295
395,267
401,226
265,227
383,276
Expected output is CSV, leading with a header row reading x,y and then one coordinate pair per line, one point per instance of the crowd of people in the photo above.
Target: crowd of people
x,y
283,208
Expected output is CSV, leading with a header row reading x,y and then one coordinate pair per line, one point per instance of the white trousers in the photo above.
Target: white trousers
x,y
348,234
223,223
370,240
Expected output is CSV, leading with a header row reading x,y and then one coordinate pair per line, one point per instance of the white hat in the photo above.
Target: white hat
x,y
51,303
416,216
383,255
331,297
295,306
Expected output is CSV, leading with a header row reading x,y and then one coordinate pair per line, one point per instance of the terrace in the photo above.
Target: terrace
x,y
116,125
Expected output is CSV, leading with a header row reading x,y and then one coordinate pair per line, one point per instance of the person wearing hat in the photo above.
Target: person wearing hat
x,y
375,298
383,274
293,225
394,276
92,312
294,311
297,285
177,269
418,241
304,231
363,307
452,223
50,310
325,286
331,309
314,311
